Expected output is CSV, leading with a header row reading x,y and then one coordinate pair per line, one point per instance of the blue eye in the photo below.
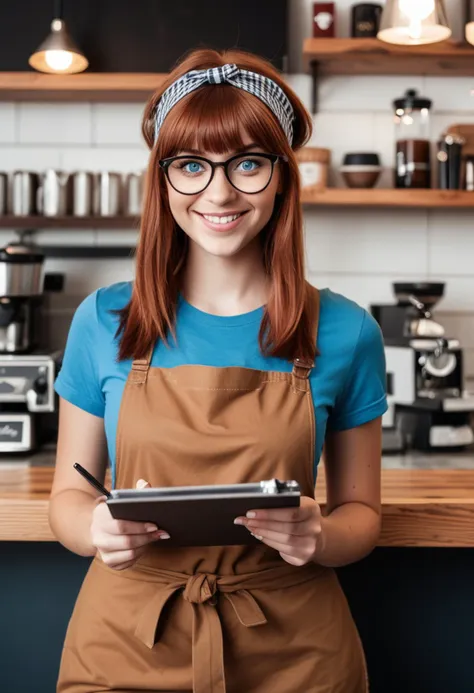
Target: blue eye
x,y
192,167
248,165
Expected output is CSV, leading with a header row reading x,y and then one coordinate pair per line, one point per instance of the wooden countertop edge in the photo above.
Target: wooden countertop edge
x,y
406,523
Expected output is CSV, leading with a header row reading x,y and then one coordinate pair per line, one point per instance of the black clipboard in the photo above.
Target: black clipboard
x,y
202,515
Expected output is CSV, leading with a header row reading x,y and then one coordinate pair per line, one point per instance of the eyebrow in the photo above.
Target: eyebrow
x,y
237,151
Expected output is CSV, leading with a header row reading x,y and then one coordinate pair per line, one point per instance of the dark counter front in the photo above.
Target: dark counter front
x,y
413,606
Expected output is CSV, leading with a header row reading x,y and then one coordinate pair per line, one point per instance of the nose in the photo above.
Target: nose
x,y
220,191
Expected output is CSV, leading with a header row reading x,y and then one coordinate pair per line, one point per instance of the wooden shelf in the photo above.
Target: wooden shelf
x,y
330,197
381,197
353,56
36,223
87,86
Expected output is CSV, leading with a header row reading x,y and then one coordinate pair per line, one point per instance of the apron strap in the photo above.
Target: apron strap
x,y
302,367
140,367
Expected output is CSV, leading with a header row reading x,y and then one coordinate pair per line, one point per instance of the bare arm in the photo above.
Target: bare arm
x,y
351,525
81,439
78,516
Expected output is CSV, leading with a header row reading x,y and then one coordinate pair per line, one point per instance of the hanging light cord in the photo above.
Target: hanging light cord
x,y
58,9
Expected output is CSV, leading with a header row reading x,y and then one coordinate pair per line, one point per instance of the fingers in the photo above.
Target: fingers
x,y
141,483
129,527
299,514
121,542
295,529
298,553
119,560
285,542
125,542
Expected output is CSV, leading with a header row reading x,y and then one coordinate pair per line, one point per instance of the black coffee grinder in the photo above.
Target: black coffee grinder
x,y
429,408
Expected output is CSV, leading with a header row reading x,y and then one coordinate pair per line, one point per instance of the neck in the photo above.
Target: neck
x,y
225,285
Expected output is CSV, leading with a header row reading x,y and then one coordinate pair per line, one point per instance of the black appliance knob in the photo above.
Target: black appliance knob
x,y
40,385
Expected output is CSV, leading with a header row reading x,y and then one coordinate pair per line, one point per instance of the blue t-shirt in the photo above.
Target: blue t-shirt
x,y
347,383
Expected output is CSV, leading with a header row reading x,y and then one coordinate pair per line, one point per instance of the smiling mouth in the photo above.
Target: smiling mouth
x,y
222,218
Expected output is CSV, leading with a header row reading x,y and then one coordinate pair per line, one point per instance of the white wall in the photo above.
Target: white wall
x,y
356,252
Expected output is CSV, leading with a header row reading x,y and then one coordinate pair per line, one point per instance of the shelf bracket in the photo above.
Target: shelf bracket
x,y
315,73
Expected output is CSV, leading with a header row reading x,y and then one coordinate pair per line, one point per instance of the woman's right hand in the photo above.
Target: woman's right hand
x,y
121,542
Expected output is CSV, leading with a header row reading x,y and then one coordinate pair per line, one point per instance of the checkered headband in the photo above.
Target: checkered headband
x,y
262,87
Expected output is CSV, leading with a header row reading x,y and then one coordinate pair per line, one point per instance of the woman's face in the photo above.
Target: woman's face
x,y
221,220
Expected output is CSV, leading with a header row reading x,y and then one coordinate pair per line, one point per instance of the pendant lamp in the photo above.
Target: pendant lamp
x,y
468,23
414,22
58,54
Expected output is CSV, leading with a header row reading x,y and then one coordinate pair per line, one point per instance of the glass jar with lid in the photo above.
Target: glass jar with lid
x,y
412,130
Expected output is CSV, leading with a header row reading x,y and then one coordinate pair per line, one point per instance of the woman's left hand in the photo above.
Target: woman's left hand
x,y
296,533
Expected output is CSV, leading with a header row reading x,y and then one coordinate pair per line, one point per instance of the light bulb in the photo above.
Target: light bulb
x,y
416,13
58,60
417,9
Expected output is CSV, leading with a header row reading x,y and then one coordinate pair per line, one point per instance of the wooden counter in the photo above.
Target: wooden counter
x,y
421,507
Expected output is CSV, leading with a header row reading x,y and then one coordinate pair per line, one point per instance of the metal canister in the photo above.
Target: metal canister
x,y
3,193
83,193
54,193
24,187
107,194
134,187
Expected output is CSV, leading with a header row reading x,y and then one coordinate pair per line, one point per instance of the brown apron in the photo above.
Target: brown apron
x,y
233,619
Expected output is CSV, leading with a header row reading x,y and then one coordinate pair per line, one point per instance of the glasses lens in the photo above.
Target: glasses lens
x,y
189,176
250,173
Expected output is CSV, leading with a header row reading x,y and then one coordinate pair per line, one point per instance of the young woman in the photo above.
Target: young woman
x,y
219,364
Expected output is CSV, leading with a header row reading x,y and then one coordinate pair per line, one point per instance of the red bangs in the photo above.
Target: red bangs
x,y
216,119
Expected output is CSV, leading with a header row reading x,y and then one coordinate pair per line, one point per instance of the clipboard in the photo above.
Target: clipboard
x,y
202,515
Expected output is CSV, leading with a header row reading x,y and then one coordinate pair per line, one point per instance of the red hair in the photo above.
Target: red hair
x,y
211,118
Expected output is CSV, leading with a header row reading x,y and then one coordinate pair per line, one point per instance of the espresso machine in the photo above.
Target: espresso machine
x,y
28,403
429,408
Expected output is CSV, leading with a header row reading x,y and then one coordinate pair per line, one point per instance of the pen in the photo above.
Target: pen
x,y
91,479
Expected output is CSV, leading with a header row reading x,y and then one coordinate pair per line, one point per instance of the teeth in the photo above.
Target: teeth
x,y
221,220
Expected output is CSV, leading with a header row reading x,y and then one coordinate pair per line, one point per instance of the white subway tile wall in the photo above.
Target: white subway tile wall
x,y
8,123
356,252
45,123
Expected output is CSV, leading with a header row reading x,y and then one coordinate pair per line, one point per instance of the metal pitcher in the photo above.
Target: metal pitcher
x,y
107,194
54,198
3,193
83,194
24,186
134,188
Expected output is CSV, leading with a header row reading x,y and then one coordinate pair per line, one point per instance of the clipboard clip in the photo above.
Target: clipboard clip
x,y
275,486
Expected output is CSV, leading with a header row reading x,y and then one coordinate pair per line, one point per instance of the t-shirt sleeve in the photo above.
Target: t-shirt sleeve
x,y
363,396
78,380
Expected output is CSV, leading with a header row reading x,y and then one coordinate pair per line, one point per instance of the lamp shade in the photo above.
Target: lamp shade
x,y
469,32
414,22
58,54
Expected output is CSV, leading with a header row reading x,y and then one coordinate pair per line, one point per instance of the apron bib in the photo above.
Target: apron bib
x,y
233,619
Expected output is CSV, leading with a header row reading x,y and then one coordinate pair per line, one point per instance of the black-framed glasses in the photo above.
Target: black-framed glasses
x,y
248,173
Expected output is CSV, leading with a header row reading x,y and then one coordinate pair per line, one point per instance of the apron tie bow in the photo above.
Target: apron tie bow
x,y
201,588
201,591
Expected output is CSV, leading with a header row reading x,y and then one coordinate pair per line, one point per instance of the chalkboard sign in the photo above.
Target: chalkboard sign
x,y
145,35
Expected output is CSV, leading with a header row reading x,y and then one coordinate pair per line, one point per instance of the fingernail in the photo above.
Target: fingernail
x,y
151,528
165,535
251,514
257,536
238,521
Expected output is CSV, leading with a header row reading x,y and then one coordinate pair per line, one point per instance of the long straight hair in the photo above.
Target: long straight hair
x,y
212,119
